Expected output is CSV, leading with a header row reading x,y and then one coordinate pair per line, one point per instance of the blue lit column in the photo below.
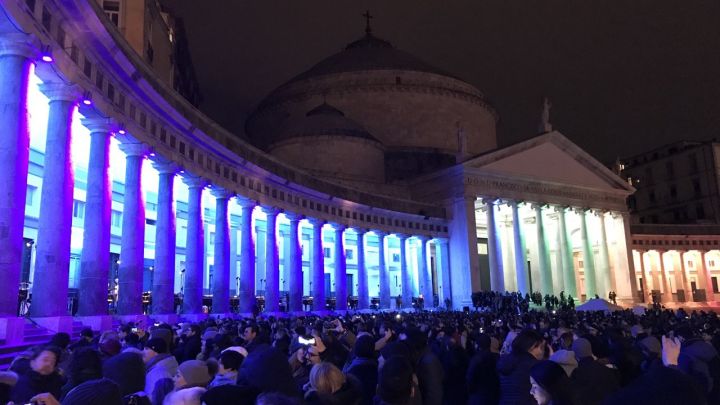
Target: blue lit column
x,y
566,254
163,297
194,247
221,255
405,276
317,268
247,257
340,268
295,273
383,276
363,295
16,57
55,222
588,258
521,271
132,244
95,256
442,263
424,277
272,264
495,258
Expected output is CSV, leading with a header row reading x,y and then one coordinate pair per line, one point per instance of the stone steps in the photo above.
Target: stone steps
x,y
33,335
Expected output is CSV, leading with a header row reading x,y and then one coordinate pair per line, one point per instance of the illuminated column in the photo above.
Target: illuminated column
x,y
667,296
685,279
544,268
424,277
340,268
383,277
16,58
521,273
708,278
405,276
221,262
497,283
442,260
566,254
194,247
163,298
56,205
588,259
247,257
604,281
317,268
295,284
95,256
646,279
272,265
363,295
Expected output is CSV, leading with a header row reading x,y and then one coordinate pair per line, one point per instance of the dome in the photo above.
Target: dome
x,y
368,53
325,120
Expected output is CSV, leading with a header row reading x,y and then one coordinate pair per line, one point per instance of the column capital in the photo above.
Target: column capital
x,y
134,149
538,206
19,44
402,236
422,238
580,210
193,181
220,193
380,234
316,222
337,227
270,210
56,91
99,125
245,202
441,241
165,166
489,200
560,208
293,216
359,231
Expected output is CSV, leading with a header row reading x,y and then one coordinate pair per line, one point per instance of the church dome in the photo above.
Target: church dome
x,y
326,120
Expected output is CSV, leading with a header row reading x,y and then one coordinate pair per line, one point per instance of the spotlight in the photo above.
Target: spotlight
x,y
121,129
152,154
87,98
46,54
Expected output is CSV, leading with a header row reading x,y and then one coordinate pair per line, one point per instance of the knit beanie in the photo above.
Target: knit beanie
x,y
195,373
582,348
158,345
162,333
651,344
110,347
103,391
127,370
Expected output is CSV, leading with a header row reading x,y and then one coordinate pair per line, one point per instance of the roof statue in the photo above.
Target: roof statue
x,y
545,126
367,16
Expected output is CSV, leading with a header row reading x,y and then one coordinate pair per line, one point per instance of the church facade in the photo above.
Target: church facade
x,y
368,177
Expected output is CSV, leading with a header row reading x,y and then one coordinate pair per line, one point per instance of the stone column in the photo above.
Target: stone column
x,y
17,52
546,284
495,258
194,247
317,267
363,294
424,277
709,294
667,296
272,263
95,256
684,277
646,297
442,261
295,285
56,205
588,258
246,295
383,276
340,268
604,278
521,271
221,255
405,276
163,297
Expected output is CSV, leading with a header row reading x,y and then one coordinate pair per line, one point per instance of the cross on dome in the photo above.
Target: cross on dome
x,y
367,16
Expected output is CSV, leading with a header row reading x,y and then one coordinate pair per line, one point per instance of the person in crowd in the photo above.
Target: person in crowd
x,y
86,339
191,373
159,363
594,381
483,385
395,382
302,359
250,334
85,365
514,368
190,344
188,396
8,379
699,359
228,366
329,386
550,384
127,370
40,377
428,367
364,367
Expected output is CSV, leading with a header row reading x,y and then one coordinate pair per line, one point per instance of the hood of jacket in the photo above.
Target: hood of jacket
x,y
508,363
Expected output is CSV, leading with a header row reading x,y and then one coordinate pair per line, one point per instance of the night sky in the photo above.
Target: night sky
x,y
623,76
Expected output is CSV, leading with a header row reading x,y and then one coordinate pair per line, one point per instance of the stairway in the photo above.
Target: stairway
x,y
33,335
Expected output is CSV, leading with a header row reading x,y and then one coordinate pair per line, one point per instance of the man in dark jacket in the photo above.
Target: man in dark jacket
x,y
429,369
593,381
514,368
481,378
190,345
364,366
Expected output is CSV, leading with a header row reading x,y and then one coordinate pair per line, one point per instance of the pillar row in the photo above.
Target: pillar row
x,y
272,262
221,254
424,276
295,285
588,258
363,294
317,267
545,270
405,276
442,260
246,295
163,297
495,258
521,271
340,268
194,247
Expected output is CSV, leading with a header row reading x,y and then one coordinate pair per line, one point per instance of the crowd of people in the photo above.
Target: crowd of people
x,y
505,352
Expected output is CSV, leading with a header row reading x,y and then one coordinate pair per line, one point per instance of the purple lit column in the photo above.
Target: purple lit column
x,y
194,247
247,256
16,54
424,277
132,242
163,297
295,274
317,267
95,256
56,204
405,276
272,265
221,267
340,269
383,272
363,296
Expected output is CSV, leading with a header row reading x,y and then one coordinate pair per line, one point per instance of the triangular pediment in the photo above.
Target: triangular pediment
x,y
549,158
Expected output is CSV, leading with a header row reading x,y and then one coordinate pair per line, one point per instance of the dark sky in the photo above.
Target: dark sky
x,y
623,76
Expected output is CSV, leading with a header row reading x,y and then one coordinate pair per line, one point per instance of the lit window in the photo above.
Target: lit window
x,y
326,252
348,254
112,11
30,195
396,257
78,209
116,218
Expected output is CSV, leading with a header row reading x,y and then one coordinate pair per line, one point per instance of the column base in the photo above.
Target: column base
x,y
194,317
170,319
139,319
12,330
56,324
98,323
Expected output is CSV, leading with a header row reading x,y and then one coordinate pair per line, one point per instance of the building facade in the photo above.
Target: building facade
x,y
116,185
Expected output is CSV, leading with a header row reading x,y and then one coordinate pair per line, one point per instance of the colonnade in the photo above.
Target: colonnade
x,y
677,275
17,54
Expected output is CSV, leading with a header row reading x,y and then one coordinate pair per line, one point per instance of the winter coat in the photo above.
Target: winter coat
x,y
349,394
514,374
221,379
366,371
32,383
482,379
159,367
660,385
700,360
188,349
429,371
594,382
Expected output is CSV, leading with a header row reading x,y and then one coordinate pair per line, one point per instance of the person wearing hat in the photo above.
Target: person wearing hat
x,y
364,366
651,350
159,363
191,373
86,338
228,366
100,391
566,359
594,381
127,370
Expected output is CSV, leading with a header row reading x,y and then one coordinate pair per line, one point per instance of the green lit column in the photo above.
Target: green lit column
x,y
546,284
588,259
521,271
604,282
566,254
